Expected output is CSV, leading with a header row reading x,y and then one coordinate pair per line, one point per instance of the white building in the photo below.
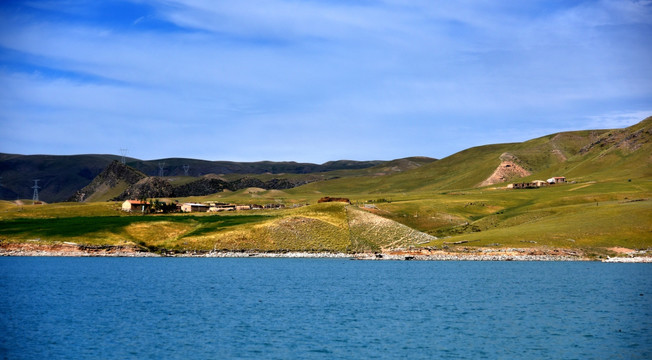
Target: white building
x,y
135,205
193,207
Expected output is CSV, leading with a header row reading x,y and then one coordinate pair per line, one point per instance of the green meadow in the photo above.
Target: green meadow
x,y
593,216
413,202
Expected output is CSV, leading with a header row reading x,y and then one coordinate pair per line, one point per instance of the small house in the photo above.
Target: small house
x,y
273,206
192,207
556,180
539,183
527,185
216,207
135,205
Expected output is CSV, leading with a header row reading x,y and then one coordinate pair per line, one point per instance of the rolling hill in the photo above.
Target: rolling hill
x,y
579,155
457,203
61,176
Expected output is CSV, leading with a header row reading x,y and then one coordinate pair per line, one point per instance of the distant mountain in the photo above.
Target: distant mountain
x,y
122,182
61,176
577,155
615,154
175,167
110,183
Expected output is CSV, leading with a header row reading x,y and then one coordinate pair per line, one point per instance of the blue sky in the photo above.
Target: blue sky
x,y
314,81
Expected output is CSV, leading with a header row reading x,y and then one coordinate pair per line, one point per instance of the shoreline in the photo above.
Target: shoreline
x,y
466,254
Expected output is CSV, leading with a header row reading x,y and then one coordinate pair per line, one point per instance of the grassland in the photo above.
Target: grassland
x,y
334,227
592,216
582,215
409,203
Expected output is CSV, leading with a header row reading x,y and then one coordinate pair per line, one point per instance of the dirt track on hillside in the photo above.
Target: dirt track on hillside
x,y
506,171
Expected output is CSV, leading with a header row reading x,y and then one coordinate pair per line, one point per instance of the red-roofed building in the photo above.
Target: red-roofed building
x,y
135,205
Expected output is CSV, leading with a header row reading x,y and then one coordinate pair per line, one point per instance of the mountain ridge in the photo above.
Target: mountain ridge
x,y
585,154
61,176
616,153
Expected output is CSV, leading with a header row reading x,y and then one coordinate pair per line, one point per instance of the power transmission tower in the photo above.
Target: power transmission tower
x,y
35,187
161,169
185,170
124,152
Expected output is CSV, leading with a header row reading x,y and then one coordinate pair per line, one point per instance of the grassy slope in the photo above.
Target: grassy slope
x,y
586,215
394,166
105,193
425,198
604,208
552,155
321,227
584,226
591,214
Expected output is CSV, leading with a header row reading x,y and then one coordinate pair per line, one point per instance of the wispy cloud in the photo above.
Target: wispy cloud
x,y
352,79
616,120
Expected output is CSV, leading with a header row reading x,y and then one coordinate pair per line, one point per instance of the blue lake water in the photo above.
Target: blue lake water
x,y
197,308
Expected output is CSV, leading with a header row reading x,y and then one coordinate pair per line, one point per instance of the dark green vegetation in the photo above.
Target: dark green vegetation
x,y
62,176
70,227
456,201
141,230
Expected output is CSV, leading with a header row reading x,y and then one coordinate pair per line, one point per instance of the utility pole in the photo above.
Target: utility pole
x,y
35,187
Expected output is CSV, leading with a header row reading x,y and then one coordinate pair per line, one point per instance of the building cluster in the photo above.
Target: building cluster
x,y
537,183
218,207
148,207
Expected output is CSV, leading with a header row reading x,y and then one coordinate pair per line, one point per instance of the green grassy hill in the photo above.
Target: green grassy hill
x,y
580,155
120,182
62,175
334,227
606,204
110,183
586,214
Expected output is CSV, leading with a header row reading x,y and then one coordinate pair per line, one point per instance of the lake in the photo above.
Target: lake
x,y
202,308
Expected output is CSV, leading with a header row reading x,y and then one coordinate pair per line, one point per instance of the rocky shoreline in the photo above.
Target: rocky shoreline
x,y
634,259
71,249
464,254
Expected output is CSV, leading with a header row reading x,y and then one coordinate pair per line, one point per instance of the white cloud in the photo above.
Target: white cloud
x,y
617,120
292,69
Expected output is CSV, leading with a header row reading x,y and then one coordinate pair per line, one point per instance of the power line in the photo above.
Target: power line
x,y
35,187
161,169
124,152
